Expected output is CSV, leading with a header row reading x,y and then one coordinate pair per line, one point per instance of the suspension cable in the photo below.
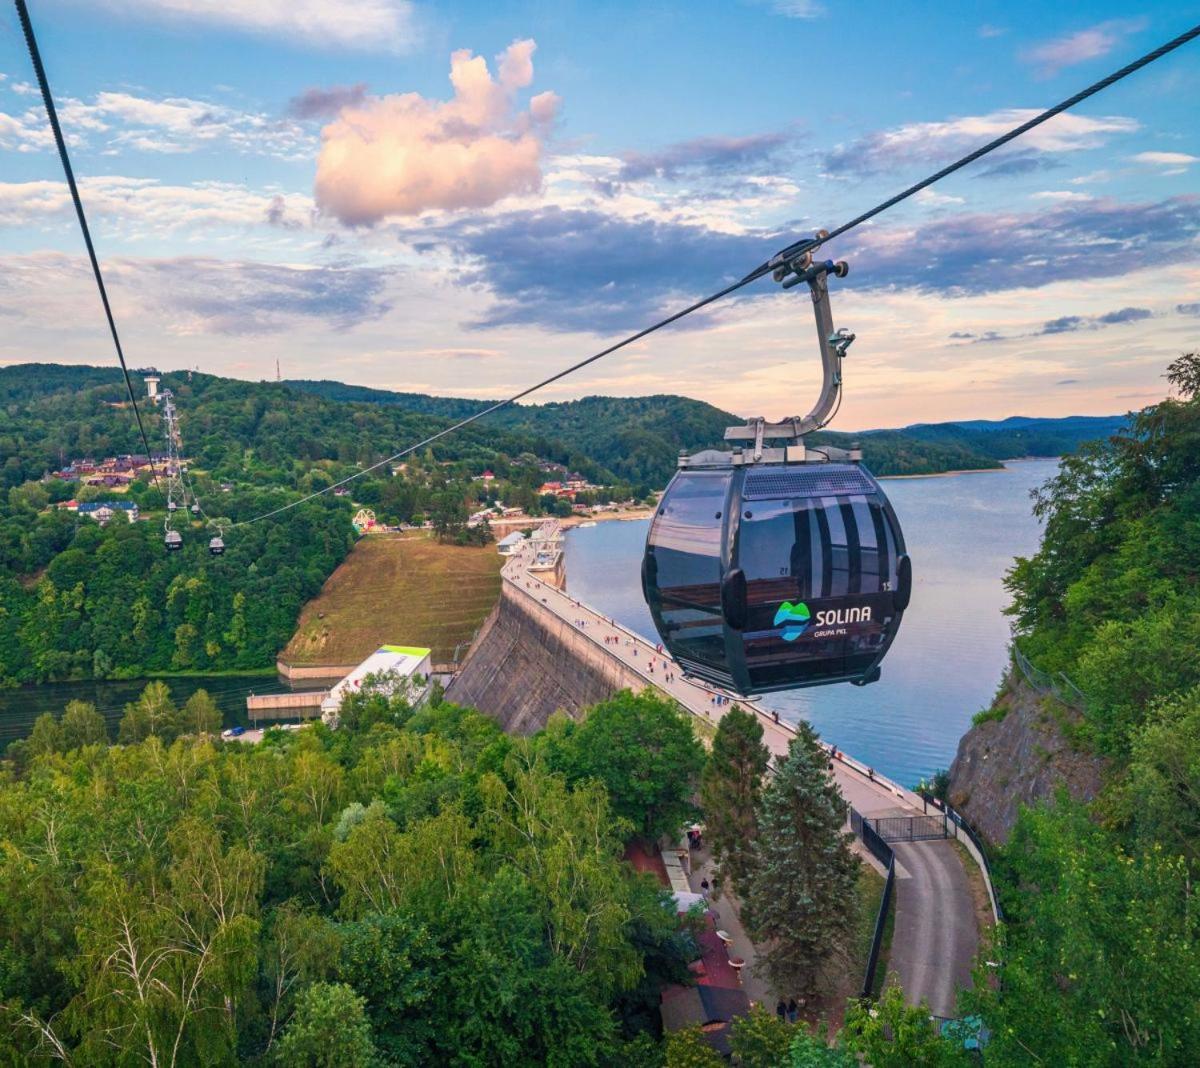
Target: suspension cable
x,y
791,252
782,258
52,115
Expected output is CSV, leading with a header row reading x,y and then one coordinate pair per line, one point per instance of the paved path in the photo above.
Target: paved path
x,y
935,934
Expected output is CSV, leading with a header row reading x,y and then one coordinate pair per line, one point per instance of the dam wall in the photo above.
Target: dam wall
x,y
527,663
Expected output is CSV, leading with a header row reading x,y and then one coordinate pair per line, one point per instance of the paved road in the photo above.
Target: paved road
x,y
935,936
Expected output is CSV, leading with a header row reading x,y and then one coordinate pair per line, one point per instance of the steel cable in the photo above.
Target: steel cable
x,y
52,114
783,257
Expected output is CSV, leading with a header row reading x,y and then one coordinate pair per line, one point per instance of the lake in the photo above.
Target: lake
x,y
962,532
20,707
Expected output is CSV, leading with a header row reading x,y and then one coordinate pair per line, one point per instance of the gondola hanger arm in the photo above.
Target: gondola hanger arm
x,y
831,343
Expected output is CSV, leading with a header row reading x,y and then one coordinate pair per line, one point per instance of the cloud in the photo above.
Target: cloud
x,y
1124,315
118,120
214,296
982,253
1052,56
1061,196
1067,382
1063,325
589,271
937,200
320,103
926,143
373,25
1177,161
1015,164
797,9
144,205
987,31
705,155
1188,309
190,296
403,154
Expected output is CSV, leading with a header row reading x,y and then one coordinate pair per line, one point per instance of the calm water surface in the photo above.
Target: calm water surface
x,y
20,707
962,533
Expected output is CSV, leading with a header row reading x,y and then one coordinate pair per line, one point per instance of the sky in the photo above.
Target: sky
x,y
463,198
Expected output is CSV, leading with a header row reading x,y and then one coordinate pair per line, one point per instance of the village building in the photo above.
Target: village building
x,y
104,511
394,670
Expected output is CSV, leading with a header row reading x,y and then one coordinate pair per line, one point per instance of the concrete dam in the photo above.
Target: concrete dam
x,y
528,663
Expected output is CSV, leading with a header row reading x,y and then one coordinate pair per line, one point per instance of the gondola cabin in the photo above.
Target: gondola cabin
x,y
763,577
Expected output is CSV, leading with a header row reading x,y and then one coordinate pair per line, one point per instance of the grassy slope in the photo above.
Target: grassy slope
x,y
400,590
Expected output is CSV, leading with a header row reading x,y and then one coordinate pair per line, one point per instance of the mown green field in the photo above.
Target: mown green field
x,y
399,589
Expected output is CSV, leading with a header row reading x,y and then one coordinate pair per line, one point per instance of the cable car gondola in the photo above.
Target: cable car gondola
x,y
173,541
216,545
195,509
775,568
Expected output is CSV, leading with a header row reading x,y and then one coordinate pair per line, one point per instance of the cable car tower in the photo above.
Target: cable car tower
x,y
177,495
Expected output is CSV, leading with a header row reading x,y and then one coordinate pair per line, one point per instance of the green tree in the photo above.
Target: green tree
x,y
1099,957
688,1049
760,1039
46,736
329,1030
800,894
153,713
394,961
809,1050
893,1034
200,715
83,725
645,752
730,790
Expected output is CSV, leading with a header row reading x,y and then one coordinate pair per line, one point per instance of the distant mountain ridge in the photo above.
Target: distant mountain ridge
x,y
637,439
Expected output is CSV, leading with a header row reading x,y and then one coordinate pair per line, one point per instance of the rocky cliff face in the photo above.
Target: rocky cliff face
x,y
1019,759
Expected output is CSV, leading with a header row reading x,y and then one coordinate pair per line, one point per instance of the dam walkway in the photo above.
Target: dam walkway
x,y
936,933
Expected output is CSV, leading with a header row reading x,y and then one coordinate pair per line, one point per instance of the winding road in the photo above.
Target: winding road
x,y
936,935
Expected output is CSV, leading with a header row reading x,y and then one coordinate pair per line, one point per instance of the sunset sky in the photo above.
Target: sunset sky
x,y
461,198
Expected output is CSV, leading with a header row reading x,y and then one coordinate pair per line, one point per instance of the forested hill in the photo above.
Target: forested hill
x,y
646,433
275,432
1020,435
1099,961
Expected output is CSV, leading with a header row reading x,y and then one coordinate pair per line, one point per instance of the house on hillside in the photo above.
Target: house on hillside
x,y
104,511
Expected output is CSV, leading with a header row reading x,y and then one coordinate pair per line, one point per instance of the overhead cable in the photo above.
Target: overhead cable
x,y
52,115
782,258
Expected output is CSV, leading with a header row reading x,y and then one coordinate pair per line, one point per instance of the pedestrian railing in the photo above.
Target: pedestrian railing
x,y
878,847
1056,683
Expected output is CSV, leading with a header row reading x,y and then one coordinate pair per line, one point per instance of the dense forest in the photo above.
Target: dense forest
x,y
641,437
1099,961
414,888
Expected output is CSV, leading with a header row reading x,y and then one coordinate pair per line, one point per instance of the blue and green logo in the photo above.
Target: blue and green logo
x,y
793,618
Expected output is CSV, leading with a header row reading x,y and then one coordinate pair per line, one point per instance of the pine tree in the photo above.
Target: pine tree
x,y
799,895
731,790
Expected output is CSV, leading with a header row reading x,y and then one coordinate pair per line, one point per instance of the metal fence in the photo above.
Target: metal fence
x,y
1045,682
883,853
909,828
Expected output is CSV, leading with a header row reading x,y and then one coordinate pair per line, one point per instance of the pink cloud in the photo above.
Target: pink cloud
x,y
1096,41
402,154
